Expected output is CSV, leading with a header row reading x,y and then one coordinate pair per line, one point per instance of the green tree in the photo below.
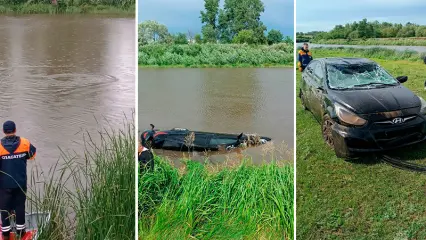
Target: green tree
x,y
152,31
209,34
238,15
421,31
274,36
209,16
245,36
198,38
362,29
180,38
407,31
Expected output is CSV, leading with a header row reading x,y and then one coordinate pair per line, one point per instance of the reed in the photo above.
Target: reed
x,y
90,196
242,202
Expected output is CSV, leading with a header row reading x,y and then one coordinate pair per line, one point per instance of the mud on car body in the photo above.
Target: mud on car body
x,y
361,107
182,139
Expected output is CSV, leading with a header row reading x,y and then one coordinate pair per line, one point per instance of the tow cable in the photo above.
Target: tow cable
x,y
403,164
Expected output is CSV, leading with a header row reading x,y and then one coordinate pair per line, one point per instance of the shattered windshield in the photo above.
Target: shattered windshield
x,y
358,76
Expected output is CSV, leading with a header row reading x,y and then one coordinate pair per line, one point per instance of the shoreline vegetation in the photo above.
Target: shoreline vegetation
x,y
215,55
229,38
89,196
375,41
121,7
339,199
368,33
376,53
210,202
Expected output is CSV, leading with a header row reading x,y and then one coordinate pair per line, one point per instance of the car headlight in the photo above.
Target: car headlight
x,y
422,106
348,117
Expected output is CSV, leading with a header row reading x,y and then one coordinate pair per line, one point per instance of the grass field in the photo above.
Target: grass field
x,y
363,199
375,41
216,202
215,55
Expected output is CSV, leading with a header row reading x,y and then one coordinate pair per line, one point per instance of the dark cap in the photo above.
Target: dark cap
x,y
9,127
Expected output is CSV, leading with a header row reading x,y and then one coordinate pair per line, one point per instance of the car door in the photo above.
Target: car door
x,y
307,81
317,90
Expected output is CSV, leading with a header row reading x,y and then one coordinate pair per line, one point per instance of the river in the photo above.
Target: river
x,y
220,100
63,76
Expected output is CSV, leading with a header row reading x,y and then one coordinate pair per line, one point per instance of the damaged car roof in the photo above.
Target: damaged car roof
x,y
345,61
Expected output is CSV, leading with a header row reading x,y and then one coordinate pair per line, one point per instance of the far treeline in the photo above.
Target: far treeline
x,y
223,30
238,22
393,33
67,6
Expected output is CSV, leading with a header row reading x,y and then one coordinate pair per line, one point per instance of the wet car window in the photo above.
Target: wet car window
x,y
319,72
358,76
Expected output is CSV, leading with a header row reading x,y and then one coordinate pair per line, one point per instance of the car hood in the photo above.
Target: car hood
x,y
376,100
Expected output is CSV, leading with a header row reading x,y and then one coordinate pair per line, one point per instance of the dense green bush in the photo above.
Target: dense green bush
x,y
215,55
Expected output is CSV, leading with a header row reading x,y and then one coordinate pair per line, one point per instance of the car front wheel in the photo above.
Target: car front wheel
x,y
327,131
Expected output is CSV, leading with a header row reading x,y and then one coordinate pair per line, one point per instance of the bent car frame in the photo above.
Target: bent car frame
x,y
361,107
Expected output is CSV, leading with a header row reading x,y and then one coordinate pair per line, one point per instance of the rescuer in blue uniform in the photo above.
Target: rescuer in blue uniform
x,y
14,153
305,57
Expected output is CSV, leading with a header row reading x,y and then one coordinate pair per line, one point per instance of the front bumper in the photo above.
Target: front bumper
x,y
375,137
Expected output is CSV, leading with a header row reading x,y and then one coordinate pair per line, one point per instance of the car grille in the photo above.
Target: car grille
x,y
390,121
390,138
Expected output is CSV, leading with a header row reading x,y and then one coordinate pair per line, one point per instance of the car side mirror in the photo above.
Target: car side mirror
x,y
402,79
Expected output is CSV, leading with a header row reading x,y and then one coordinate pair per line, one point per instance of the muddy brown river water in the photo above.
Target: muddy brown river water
x,y
219,100
63,75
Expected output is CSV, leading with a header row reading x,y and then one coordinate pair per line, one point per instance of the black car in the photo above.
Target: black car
x,y
361,107
182,139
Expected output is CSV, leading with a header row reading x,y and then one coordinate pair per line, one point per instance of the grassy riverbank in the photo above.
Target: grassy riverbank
x,y
375,41
378,53
204,202
47,8
364,199
215,55
90,197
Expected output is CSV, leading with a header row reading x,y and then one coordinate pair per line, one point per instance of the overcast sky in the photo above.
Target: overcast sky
x,y
184,15
315,15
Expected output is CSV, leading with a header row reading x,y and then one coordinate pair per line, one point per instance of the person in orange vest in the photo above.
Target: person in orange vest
x,y
305,57
14,153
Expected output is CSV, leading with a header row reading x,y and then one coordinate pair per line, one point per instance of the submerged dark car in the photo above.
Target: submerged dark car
x,y
182,139
361,107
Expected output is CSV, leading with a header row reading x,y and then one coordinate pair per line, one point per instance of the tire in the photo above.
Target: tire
x,y
327,132
302,100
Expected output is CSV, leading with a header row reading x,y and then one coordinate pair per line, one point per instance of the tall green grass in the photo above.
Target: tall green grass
x,y
374,41
380,53
90,197
246,202
196,55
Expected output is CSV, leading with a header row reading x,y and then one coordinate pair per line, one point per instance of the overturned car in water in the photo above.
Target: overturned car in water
x,y
182,139
361,107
